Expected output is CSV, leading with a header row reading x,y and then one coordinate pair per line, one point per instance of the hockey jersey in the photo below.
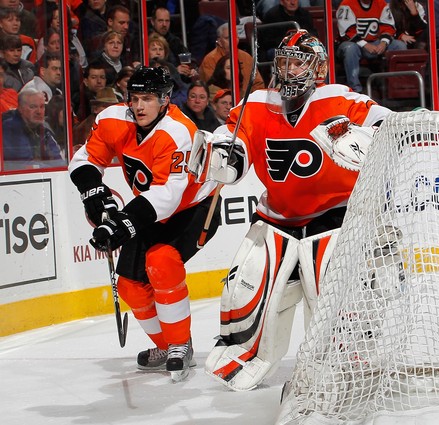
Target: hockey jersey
x,y
358,22
154,165
301,181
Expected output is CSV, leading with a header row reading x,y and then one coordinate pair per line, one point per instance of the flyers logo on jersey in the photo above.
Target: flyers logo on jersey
x,y
302,157
138,174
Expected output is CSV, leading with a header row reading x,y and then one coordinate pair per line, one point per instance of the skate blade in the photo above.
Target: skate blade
x,y
179,375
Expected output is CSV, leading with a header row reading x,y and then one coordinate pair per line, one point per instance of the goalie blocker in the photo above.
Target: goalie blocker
x,y
259,301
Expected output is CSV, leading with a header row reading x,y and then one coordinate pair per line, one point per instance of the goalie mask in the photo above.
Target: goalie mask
x,y
300,63
151,80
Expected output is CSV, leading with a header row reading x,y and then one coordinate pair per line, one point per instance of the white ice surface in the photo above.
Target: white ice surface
x,y
76,373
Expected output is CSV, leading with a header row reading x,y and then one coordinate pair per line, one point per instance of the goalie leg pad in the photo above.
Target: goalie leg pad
x,y
314,255
257,309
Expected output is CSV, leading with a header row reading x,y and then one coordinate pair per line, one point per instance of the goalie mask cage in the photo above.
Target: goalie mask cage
x,y
371,352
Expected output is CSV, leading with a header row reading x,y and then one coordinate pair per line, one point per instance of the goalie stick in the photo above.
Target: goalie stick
x,y
121,327
202,238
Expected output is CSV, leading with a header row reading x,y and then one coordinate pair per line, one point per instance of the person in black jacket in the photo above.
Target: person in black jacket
x,y
286,11
197,107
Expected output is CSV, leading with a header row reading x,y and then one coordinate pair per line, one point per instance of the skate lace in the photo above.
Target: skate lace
x,y
178,350
157,354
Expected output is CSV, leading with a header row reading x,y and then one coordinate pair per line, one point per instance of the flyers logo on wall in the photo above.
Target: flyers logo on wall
x,y
27,240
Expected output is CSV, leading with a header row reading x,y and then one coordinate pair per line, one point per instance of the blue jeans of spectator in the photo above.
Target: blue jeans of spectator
x,y
351,54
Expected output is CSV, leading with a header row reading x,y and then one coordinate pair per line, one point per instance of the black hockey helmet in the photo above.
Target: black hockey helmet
x,y
151,80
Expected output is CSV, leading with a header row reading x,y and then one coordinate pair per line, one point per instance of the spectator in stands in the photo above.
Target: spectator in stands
x,y
48,80
110,58
158,48
197,107
410,22
179,91
118,20
28,20
55,110
161,23
285,11
104,98
222,49
222,77
18,71
51,43
120,85
8,97
93,22
367,30
222,103
10,23
94,79
25,134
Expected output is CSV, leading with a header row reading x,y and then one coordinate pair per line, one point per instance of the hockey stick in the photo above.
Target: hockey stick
x,y
121,328
202,238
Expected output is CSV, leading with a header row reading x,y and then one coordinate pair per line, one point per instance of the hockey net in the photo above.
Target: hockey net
x,y
371,352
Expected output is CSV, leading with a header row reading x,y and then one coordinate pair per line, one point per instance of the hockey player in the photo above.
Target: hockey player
x,y
305,200
158,229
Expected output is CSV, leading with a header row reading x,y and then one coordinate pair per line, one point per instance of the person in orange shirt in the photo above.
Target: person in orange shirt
x,y
222,48
157,230
8,97
305,198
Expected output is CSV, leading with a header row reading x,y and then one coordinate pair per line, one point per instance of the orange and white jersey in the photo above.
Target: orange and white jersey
x,y
154,165
357,22
301,181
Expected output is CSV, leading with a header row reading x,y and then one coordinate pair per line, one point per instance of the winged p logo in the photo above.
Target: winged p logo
x,y
302,157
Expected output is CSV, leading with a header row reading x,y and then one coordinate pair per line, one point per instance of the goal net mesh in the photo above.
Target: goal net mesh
x,y
373,343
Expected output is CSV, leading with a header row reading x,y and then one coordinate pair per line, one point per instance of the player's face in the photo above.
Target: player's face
x,y
222,107
11,24
291,67
32,110
162,22
146,107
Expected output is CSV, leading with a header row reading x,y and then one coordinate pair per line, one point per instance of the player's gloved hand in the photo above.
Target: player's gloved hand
x,y
116,230
98,200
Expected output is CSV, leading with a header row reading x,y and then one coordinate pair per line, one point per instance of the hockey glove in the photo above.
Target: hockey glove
x,y
98,200
117,230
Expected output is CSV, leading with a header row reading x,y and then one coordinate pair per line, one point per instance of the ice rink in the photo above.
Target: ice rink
x,y
76,373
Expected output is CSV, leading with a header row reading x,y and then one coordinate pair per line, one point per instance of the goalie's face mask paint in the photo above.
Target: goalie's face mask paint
x,y
300,63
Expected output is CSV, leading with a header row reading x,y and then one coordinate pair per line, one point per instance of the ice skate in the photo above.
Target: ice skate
x,y
180,360
152,360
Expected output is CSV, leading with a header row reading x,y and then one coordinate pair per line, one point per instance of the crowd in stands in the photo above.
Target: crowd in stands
x,y
104,42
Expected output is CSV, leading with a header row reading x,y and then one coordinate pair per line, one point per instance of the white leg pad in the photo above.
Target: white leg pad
x,y
257,309
314,255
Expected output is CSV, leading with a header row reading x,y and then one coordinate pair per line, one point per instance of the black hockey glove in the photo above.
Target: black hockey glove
x,y
117,230
98,200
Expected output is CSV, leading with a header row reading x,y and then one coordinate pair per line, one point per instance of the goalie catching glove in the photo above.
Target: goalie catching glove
x,y
346,143
211,158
